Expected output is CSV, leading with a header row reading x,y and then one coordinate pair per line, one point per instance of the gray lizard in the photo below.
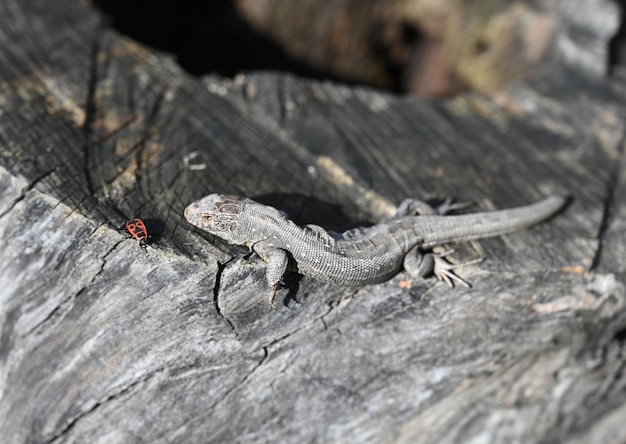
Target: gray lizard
x,y
360,256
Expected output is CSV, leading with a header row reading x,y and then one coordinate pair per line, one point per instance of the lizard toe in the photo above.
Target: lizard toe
x,y
444,270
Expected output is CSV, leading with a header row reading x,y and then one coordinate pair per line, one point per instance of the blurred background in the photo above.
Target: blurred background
x,y
433,48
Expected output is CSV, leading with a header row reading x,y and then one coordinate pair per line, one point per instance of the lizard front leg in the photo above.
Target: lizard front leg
x,y
419,265
277,260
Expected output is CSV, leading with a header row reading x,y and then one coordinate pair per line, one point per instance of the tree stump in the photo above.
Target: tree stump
x,y
104,342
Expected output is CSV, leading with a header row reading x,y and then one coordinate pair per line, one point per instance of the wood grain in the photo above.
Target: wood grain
x,y
103,342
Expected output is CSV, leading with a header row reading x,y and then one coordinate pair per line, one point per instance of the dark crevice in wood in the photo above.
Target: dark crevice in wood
x,y
281,338
617,43
348,295
332,306
90,111
91,108
70,425
324,322
74,296
620,335
109,135
25,191
609,201
216,294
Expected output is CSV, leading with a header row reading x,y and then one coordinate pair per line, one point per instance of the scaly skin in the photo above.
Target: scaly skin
x,y
360,256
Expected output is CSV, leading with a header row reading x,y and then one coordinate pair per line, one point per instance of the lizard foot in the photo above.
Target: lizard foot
x,y
415,207
419,264
444,270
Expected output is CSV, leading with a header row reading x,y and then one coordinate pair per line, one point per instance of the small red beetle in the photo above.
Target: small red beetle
x,y
137,229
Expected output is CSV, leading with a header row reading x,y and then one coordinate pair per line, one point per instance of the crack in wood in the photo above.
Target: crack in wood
x,y
74,296
25,191
90,107
72,423
216,289
609,201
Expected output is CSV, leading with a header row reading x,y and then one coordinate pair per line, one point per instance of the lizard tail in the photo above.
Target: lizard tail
x,y
436,230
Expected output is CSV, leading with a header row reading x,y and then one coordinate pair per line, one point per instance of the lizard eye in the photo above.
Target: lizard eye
x,y
209,217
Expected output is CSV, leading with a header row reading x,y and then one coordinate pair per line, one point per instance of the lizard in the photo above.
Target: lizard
x,y
360,256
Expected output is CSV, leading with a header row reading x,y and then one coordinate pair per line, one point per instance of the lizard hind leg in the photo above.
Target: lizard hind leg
x,y
416,207
277,261
420,265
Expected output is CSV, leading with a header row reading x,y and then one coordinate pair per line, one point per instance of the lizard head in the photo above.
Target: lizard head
x,y
217,214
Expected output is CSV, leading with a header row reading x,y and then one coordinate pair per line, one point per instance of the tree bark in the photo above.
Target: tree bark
x,y
101,341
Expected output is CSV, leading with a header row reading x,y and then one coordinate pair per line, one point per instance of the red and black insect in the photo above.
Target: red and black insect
x,y
138,230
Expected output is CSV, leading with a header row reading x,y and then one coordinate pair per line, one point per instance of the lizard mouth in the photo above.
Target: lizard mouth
x,y
188,211
194,215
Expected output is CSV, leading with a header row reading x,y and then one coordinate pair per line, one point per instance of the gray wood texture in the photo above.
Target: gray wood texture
x,y
101,342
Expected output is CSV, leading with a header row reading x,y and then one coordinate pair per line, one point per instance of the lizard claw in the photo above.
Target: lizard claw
x,y
444,270
448,207
275,288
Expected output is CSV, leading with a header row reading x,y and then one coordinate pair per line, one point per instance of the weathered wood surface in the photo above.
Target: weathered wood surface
x,y
101,342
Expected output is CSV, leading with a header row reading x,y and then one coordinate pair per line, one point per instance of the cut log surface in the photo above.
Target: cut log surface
x,y
103,342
